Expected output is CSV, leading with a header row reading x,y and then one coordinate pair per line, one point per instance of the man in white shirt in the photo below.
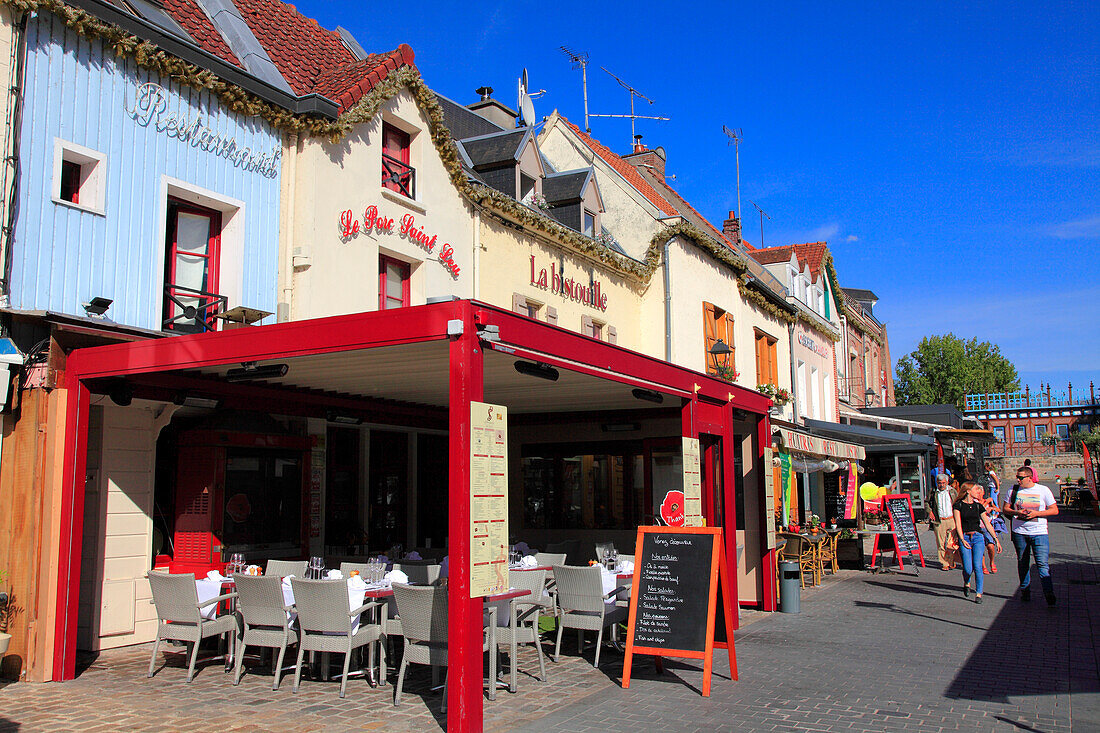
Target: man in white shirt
x,y
942,517
1029,504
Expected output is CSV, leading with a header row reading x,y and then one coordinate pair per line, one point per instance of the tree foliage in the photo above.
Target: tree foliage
x,y
944,369
1090,438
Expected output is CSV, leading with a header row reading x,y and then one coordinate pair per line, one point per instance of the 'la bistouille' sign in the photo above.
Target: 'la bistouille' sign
x,y
556,282
373,221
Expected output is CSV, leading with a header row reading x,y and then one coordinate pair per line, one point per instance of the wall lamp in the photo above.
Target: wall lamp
x,y
537,369
721,350
250,371
868,397
648,395
121,392
186,400
97,306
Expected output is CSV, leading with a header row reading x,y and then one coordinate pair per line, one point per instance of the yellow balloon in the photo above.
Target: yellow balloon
x,y
870,492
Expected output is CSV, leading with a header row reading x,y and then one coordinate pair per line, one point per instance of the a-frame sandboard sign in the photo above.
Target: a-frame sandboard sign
x,y
677,571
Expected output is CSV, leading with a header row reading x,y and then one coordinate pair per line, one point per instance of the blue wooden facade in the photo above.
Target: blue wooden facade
x,y
157,138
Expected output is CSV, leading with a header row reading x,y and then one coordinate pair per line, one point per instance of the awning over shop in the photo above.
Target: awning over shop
x,y
874,440
821,446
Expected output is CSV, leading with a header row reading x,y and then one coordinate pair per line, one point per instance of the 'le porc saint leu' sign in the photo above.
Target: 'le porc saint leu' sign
x,y
373,221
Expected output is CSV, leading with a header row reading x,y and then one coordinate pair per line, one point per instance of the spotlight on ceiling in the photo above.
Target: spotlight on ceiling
x,y
341,418
248,373
97,306
648,395
537,369
121,393
185,400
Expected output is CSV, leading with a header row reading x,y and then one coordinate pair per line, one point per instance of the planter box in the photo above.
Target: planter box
x,y
849,554
5,639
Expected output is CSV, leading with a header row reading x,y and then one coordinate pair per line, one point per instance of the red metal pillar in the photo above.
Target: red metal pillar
x,y
72,525
464,698
767,555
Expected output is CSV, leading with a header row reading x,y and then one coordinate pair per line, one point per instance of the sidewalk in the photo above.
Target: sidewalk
x,y
869,652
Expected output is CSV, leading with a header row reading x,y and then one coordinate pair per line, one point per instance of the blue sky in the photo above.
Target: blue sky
x,y
948,152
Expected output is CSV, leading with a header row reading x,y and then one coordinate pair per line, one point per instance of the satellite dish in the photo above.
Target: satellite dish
x,y
526,109
523,81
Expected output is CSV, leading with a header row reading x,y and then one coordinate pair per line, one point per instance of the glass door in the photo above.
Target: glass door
x,y
909,470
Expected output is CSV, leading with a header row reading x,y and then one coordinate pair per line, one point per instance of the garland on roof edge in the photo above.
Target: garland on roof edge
x,y
152,57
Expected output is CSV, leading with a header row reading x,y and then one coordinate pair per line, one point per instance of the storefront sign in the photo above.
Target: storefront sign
x,y
786,478
672,509
693,486
406,228
151,108
851,491
769,497
488,499
795,440
556,282
813,346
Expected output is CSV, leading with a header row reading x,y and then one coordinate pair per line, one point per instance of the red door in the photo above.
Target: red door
x,y
199,480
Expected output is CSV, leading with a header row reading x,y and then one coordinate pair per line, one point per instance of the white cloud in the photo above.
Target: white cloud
x,y
1087,228
824,232
851,238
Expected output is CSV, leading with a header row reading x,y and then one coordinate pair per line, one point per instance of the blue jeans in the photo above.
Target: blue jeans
x,y
1040,545
972,560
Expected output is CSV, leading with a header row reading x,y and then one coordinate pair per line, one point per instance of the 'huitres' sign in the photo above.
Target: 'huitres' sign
x,y
407,228
555,281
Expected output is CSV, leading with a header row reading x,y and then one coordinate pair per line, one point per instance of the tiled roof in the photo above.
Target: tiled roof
x,y
346,84
494,149
195,22
810,253
567,186
626,170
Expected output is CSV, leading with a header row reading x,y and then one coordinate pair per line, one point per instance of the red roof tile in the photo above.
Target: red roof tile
x,y
626,170
810,253
195,21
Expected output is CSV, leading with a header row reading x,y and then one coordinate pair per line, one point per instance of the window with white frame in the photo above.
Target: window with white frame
x,y
79,176
804,397
815,393
593,328
589,224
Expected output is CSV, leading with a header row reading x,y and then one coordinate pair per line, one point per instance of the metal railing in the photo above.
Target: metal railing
x,y
188,310
1000,450
398,176
1026,400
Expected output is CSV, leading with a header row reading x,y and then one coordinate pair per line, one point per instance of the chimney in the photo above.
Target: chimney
x,y
731,227
493,110
642,157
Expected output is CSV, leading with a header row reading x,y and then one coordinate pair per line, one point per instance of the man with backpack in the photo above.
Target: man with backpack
x,y
1029,504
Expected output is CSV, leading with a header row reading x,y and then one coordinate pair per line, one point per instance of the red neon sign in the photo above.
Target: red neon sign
x,y
372,220
576,290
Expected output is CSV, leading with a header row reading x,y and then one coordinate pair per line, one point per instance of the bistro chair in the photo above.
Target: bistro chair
x,y
526,629
800,550
570,548
283,568
179,615
583,606
826,553
265,620
419,574
423,612
549,559
327,625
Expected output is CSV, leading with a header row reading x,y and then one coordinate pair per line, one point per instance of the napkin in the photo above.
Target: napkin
x,y
396,576
254,570
216,576
357,583
627,567
528,561
445,567
334,575
414,555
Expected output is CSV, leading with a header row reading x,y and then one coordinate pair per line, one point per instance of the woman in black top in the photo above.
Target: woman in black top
x,y
970,517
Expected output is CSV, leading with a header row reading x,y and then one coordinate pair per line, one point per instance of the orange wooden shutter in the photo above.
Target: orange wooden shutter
x,y
710,336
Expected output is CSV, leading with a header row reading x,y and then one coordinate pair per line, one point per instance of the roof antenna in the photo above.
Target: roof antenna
x,y
736,137
580,61
633,93
762,215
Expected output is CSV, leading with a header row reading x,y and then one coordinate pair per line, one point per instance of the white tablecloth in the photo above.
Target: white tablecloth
x,y
355,599
206,590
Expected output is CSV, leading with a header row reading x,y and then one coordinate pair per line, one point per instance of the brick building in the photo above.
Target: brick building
x,y
865,372
1021,420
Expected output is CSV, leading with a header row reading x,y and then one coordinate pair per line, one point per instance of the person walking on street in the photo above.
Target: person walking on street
x,y
971,523
1028,505
941,517
992,505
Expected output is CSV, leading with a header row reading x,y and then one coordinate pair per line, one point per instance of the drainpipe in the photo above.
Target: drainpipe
x,y
668,306
290,188
9,186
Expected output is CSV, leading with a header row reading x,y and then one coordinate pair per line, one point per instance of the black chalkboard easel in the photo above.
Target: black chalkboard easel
x,y
899,511
677,571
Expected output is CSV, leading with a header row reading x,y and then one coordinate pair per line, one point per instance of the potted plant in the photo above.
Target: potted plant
x,y
814,523
5,637
726,372
849,550
779,396
874,520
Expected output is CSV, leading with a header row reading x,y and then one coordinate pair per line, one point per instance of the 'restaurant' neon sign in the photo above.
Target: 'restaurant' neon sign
x,y
557,282
373,221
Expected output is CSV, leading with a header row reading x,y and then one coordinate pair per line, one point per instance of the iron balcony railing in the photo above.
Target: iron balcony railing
x,y
1027,400
398,176
188,310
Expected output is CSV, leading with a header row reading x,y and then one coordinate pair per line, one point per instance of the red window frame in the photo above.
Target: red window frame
x,y
396,145
406,271
213,246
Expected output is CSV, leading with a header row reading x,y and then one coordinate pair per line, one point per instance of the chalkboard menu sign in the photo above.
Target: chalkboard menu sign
x,y
900,513
834,502
677,571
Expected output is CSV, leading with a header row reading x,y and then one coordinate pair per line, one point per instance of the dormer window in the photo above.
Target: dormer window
x,y
397,173
589,229
526,186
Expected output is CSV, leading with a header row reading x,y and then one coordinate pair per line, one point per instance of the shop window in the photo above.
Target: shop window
x,y
568,487
589,224
717,326
999,433
78,178
1063,432
193,250
263,499
802,390
398,175
393,283
526,186
1019,434
767,366
526,307
592,328
1040,431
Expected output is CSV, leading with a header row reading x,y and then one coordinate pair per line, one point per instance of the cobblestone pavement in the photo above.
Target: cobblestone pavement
x,y
869,652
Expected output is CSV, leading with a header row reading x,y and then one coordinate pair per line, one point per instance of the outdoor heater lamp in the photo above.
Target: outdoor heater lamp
x,y
248,373
537,369
648,395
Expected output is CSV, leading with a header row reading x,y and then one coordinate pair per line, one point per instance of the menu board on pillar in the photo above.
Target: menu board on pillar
x,y
693,486
488,499
769,497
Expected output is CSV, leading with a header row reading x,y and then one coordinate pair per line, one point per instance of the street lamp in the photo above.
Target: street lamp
x,y
720,350
868,397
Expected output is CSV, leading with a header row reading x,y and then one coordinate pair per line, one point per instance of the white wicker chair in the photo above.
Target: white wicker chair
x,y
179,612
264,620
582,605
